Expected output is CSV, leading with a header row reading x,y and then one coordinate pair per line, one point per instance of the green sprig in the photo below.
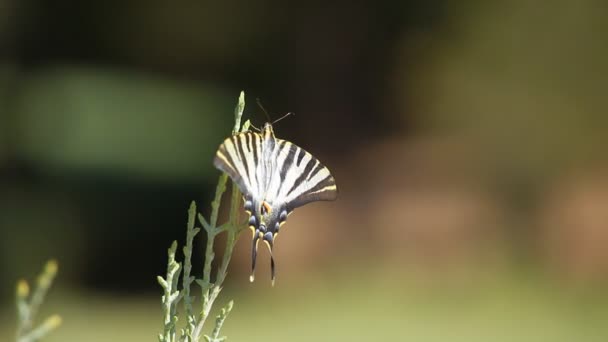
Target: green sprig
x,y
27,307
192,332
171,297
219,322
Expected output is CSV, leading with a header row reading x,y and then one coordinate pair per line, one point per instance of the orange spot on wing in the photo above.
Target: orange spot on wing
x,y
266,206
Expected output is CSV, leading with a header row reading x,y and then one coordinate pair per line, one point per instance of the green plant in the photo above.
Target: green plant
x,y
195,322
28,306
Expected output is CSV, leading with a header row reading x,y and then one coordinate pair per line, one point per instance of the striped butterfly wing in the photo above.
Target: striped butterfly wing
x,y
299,178
239,157
276,171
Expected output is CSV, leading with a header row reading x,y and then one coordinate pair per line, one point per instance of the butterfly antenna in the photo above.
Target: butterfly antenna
x,y
283,117
252,126
263,109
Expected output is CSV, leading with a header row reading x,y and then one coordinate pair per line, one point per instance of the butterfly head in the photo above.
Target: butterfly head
x,y
267,131
265,221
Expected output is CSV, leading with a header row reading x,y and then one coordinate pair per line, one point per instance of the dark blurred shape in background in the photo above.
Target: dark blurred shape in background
x,y
468,141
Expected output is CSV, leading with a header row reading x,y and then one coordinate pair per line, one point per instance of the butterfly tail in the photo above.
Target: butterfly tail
x,y
272,274
269,240
254,254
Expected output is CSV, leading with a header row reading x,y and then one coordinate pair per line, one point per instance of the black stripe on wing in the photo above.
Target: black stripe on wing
x,y
287,164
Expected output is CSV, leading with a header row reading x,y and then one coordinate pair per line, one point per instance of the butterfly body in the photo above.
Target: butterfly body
x,y
275,177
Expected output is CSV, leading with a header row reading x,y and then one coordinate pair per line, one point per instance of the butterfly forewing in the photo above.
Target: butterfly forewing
x,y
286,173
301,178
238,157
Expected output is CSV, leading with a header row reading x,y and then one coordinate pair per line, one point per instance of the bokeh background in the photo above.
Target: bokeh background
x,y
468,140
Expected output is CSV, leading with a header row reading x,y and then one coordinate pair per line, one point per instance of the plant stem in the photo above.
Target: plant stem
x,y
219,322
171,295
28,309
211,291
212,231
233,231
187,280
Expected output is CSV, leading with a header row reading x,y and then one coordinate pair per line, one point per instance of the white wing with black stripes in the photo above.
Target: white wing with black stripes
x,y
275,177
299,178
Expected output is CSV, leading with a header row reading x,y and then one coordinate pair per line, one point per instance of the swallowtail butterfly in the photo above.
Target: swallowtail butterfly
x,y
275,177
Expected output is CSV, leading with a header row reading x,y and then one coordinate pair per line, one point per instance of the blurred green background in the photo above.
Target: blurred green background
x,y
468,141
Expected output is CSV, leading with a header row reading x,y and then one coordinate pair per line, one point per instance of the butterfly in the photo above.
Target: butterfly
x,y
275,177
